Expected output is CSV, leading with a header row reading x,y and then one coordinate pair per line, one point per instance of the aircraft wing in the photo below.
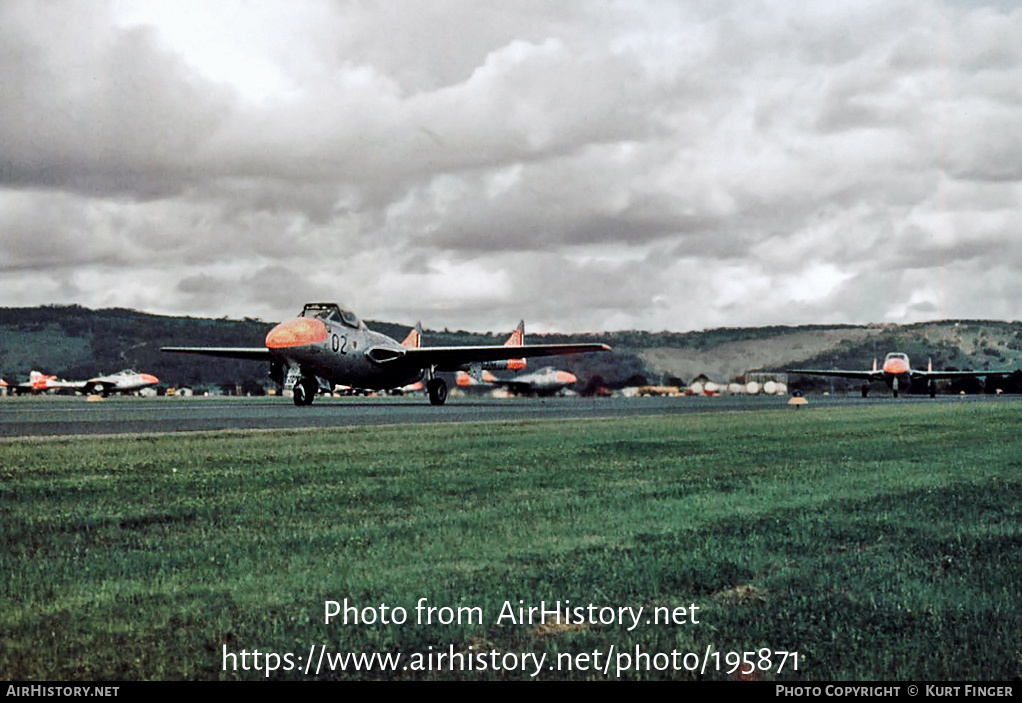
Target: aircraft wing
x,y
454,358
443,358
251,353
842,373
934,375
77,385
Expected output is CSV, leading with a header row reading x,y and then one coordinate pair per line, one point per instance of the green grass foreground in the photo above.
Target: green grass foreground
x,y
878,542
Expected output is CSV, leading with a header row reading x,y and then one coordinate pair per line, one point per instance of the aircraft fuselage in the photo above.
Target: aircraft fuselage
x,y
340,352
897,372
122,382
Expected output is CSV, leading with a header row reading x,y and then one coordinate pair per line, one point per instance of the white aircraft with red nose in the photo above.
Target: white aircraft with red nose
x,y
39,382
326,346
121,382
898,374
546,381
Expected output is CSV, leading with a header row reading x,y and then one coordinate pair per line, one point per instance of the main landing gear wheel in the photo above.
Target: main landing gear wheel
x,y
437,389
933,389
305,391
865,390
894,387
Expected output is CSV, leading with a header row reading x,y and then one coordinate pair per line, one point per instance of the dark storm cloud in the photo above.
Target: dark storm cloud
x,y
95,110
265,287
648,164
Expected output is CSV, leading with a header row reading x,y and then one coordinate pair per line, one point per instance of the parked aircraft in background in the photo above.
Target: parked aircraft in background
x,y
546,381
470,384
120,382
326,345
898,374
39,382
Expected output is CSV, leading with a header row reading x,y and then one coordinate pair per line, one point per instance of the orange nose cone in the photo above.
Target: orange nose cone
x,y
565,377
296,333
149,378
895,366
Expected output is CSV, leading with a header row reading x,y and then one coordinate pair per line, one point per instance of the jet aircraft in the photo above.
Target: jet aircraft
x,y
120,382
470,383
898,374
39,382
326,345
546,381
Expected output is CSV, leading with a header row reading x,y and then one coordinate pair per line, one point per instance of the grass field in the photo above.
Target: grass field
x,y
877,542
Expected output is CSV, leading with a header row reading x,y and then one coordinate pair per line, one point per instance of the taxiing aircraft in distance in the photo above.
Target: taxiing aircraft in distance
x,y
326,346
898,374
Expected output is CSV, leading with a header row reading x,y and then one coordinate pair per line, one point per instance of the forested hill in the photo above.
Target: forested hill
x,y
75,343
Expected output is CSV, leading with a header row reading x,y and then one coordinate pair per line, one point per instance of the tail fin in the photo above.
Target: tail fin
x,y
39,380
414,338
929,365
874,365
516,339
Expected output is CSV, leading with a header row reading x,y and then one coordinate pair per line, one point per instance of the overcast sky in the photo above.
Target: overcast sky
x,y
584,165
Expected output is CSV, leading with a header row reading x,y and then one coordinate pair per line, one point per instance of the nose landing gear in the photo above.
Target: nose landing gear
x,y
305,391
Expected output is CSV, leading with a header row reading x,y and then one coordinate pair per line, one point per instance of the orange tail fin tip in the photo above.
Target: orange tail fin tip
x,y
414,338
516,339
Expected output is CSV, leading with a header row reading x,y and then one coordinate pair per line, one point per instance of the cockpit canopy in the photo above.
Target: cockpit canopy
x,y
332,312
896,355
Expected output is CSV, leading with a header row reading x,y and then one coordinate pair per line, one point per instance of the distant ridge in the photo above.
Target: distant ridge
x,y
77,342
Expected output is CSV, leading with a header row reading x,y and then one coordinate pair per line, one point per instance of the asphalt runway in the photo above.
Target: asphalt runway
x,y
56,416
